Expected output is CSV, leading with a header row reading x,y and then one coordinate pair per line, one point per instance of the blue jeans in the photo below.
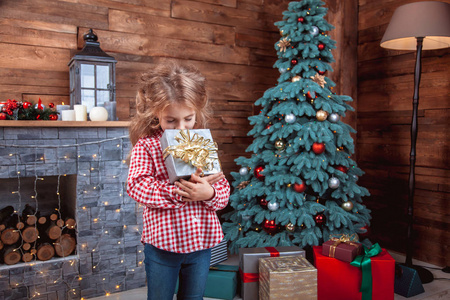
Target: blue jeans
x,y
163,268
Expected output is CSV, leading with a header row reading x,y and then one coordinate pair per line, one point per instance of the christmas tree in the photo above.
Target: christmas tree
x,y
300,184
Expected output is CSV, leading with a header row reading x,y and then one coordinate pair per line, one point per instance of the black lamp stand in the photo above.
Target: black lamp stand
x,y
425,275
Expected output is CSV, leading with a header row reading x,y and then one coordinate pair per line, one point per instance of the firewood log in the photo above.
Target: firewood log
x,y
65,245
29,215
11,255
45,251
30,234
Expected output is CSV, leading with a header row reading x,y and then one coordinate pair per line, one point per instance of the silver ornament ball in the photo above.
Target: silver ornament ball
x,y
290,118
243,171
282,70
355,177
333,118
333,182
314,31
347,205
273,205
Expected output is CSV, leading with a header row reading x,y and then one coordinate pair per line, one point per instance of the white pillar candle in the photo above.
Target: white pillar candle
x,y
68,115
80,112
60,108
98,113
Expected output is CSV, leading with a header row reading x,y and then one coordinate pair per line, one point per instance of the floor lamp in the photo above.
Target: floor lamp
x,y
417,26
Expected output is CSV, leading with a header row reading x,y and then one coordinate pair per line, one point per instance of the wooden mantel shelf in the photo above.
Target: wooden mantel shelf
x,y
20,123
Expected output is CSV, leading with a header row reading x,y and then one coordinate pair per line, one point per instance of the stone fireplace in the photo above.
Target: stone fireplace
x,y
82,171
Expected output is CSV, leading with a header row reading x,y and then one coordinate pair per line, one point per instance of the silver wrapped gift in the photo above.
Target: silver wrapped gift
x,y
185,150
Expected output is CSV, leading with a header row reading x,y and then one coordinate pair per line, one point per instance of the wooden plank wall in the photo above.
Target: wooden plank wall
x,y
230,41
385,90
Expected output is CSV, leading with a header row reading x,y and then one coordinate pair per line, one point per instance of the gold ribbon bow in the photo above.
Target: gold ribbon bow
x,y
195,150
344,238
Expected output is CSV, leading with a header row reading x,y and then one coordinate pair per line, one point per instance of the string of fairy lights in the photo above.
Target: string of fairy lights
x,y
39,267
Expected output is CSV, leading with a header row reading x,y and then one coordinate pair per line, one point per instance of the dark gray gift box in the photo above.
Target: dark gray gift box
x,y
176,167
249,266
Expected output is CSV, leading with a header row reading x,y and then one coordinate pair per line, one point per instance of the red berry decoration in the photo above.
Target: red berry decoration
x,y
318,148
2,116
270,227
51,105
301,19
342,169
294,61
300,187
263,202
320,219
258,171
321,46
53,117
26,105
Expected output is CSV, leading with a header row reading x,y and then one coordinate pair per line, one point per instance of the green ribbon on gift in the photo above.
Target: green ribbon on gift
x,y
363,262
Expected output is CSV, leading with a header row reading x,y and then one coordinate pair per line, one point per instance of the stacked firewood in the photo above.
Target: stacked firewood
x,y
30,235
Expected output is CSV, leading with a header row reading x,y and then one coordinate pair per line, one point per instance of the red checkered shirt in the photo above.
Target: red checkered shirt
x,y
170,223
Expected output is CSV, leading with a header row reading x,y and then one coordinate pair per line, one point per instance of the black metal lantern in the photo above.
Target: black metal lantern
x,y
93,77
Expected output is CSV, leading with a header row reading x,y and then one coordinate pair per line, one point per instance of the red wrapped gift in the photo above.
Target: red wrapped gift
x,y
339,280
343,247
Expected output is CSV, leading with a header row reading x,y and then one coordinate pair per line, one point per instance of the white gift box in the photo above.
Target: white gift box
x,y
176,143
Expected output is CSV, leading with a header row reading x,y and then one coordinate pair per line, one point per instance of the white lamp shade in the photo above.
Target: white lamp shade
x,y
429,19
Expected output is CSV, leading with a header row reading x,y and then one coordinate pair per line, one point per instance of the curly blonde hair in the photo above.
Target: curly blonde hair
x,y
163,86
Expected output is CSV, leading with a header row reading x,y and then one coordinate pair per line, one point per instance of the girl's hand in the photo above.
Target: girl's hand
x,y
196,189
211,179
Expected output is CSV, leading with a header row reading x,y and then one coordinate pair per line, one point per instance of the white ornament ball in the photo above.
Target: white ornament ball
x,y
333,182
347,205
98,113
333,118
290,118
273,205
283,70
355,177
314,30
243,171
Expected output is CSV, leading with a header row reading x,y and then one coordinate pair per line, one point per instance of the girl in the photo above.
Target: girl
x,y
180,221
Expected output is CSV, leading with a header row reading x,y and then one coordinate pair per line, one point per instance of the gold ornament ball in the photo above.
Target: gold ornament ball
x,y
347,206
279,145
296,78
290,227
321,115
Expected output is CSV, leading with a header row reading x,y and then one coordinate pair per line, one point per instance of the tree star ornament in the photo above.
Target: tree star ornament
x,y
243,184
283,44
319,79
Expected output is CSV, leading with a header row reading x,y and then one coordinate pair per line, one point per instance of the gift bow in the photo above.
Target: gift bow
x,y
196,150
344,238
363,262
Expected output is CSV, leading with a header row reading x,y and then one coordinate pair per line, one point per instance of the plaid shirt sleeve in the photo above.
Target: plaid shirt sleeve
x,y
220,199
143,185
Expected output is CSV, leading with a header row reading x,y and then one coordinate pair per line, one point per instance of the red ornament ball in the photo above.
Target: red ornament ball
x,y
366,233
2,116
321,72
342,169
258,171
51,105
263,202
270,227
294,61
26,105
311,95
320,219
300,187
321,46
301,19
318,148
53,117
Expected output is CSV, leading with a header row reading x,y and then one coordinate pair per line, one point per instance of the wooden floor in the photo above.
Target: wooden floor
x,y
439,289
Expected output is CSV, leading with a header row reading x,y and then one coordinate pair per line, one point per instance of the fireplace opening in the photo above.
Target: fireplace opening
x,y
37,218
